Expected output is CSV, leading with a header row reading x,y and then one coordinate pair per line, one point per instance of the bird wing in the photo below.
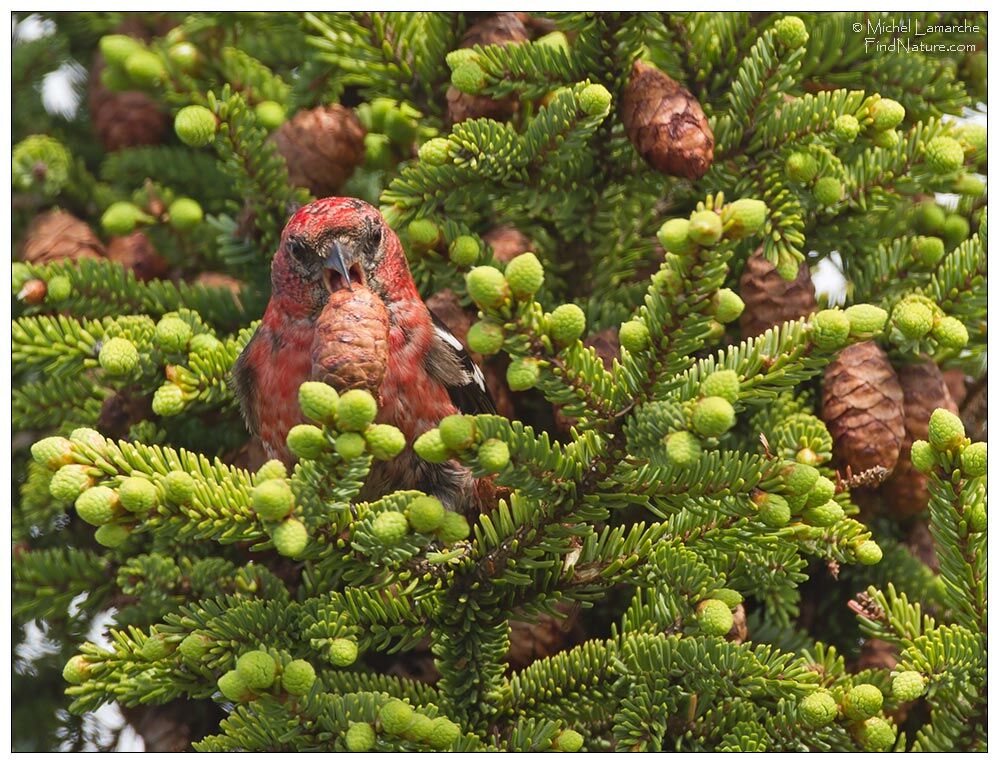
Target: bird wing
x,y
449,363
243,382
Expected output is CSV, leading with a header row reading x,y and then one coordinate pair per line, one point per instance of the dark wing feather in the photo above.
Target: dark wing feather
x,y
243,381
451,365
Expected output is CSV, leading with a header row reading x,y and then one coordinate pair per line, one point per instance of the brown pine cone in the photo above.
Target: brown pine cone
x,y
57,235
957,384
350,349
122,119
136,252
862,407
495,29
923,391
738,632
769,298
322,147
220,281
666,124
530,641
507,242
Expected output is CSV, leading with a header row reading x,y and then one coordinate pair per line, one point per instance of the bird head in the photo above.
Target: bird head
x,y
333,244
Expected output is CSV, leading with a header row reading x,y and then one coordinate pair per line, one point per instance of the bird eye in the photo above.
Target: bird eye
x,y
298,249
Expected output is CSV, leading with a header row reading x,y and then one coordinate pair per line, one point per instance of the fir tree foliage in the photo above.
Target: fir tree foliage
x,y
689,491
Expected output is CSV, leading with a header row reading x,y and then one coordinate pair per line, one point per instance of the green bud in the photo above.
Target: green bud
x,y
204,344
52,452
913,319
727,305
634,336
525,275
569,741
487,286
705,228
683,448
272,500
457,432
744,217
69,482
195,126
350,445
567,324
594,100
946,430
866,321
522,374
453,529
194,647
443,734
955,229
431,448
77,670
922,456
434,152
172,334
121,218
907,685
494,455
828,191
846,128
118,357
862,702
801,167
791,32
356,410
868,553
97,505
944,155
342,652
723,383
257,669
111,536
426,514
485,337
298,677
384,441
464,251
974,460
290,538
673,235
360,737
928,250
395,716
318,402
818,709
184,55
830,329
306,441
424,234
824,515
930,217
145,68
390,527
887,114
713,416
178,487
715,618
185,214
232,685
887,139
469,78
116,48
138,495
772,509
156,647
876,735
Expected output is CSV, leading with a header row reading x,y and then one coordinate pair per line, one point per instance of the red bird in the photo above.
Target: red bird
x,y
329,245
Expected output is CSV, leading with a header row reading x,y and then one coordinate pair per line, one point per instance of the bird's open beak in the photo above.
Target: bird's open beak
x,y
336,275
